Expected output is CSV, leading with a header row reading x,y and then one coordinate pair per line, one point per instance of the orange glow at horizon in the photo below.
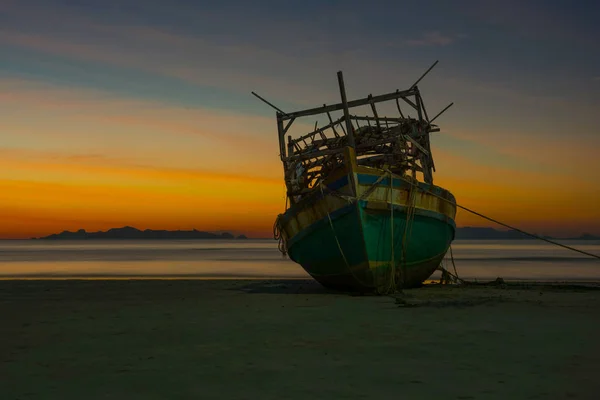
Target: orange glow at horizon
x,y
50,198
41,196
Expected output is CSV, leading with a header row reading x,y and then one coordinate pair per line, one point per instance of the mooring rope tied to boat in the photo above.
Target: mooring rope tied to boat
x,y
500,223
410,212
392,285
348,266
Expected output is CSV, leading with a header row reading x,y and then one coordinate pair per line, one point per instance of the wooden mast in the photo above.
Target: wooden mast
x,y
349,127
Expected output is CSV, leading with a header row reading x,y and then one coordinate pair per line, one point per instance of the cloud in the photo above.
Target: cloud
x,y
433,38
148,131
94,163
296,66
596,78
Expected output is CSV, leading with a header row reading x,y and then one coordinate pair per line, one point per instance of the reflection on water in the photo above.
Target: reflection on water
x,y
483,259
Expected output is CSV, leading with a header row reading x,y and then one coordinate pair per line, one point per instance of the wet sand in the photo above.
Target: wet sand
x,y
236,339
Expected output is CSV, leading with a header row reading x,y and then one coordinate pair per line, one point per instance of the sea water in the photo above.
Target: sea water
x,y
476,260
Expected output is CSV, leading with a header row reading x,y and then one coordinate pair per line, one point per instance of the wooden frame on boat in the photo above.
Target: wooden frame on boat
x,y
400,144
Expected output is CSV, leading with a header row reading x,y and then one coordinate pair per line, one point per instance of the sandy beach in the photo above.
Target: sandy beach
x,y
236,339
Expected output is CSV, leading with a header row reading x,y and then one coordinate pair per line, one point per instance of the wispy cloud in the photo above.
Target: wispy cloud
x,y
95,163
145,131
296,65
513,150
596,78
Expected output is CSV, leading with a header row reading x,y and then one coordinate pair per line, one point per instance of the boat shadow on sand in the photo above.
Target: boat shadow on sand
x,y
286,286
441,296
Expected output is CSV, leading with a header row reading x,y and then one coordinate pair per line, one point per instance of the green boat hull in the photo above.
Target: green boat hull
x,y
358,248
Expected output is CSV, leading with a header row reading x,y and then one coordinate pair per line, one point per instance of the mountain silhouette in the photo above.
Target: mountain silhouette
x,y
128,232
474,233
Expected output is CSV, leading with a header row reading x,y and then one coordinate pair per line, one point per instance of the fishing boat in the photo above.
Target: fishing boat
x,y
362,212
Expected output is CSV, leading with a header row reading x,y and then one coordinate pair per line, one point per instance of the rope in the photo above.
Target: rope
x,y
333,230
410,213
450,274
453,264
278,235
393,266
278,231
338,242
446,274
391,284
501,223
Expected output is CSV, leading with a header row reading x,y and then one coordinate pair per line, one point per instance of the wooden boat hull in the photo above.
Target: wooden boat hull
x,y
351,243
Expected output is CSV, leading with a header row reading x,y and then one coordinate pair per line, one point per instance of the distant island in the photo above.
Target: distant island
x,y
473,233
128,232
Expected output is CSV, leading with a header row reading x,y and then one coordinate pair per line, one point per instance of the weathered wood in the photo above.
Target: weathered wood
x,y
419,108
281,136
363,138
308,154
349,127
265,101
331,122
382,119
400,144
374,109
441,112
314,154
290,146
425,73
417,145
289,124
410,103
423,108
398,105
320,130
351,104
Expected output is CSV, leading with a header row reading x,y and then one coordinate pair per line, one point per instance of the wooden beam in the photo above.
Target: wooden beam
x,y
308,155
374,112
290,146
423,76
351,104
441,112
320,130
349,127
383,119
290,122
281,135
331,122
266,102
399,109
413,105
423,107
417,145
419,107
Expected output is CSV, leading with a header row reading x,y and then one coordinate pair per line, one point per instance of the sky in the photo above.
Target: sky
x,y
139,112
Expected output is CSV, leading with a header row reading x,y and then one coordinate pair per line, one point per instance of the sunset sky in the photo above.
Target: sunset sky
x,y
139,112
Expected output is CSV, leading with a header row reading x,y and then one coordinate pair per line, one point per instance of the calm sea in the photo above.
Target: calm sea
x,y
481,260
